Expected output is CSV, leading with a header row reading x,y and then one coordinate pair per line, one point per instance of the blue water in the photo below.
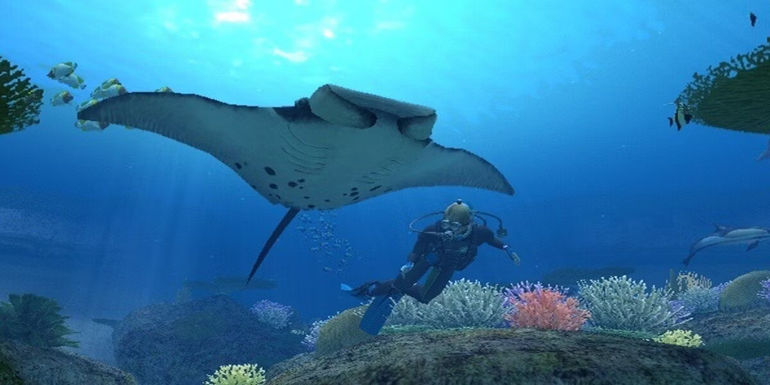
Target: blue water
x,y
567,99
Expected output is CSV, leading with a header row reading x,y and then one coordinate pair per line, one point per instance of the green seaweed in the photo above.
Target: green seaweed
x,y
20,100
742,291
34,320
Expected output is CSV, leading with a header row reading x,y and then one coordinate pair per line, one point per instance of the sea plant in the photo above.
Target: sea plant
x,y
272,313
463,303
246,374
764,292
547,308
742,292
310,339
34,320
699,300
622,303
20,100
680,337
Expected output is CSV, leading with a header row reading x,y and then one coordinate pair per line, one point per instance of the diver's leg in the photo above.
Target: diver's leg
x,y
404,281
437,281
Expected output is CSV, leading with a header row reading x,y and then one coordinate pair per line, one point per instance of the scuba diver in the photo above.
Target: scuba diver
x,y
446,246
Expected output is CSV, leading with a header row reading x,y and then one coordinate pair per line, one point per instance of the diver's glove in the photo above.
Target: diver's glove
x,y
512,255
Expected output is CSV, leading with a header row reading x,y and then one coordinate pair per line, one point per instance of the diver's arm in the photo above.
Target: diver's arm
x,y
489,238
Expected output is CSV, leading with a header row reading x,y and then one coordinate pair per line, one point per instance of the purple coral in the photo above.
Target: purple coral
x,y
764,292
272,313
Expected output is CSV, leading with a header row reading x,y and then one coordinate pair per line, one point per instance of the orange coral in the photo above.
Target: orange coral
x,y
545,308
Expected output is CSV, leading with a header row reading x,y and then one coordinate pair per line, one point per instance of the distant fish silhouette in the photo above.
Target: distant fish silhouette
x,y
752,18
722,235
766,154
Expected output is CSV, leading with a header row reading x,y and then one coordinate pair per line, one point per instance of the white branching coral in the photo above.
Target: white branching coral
x,y
624,304
463,303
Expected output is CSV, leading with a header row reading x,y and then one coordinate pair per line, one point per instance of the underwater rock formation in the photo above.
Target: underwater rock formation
x,y
23,364
733,94
521,356
20,100
743,335
179,344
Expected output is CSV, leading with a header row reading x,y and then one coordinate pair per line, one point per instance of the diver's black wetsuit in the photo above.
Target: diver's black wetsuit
x,y
450,256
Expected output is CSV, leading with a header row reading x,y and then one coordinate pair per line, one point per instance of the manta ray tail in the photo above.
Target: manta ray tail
x,y
273,237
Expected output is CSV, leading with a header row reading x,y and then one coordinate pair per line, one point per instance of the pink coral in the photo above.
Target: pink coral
x,y
535,306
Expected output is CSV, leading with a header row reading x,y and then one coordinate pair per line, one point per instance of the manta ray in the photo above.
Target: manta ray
x,y
337,147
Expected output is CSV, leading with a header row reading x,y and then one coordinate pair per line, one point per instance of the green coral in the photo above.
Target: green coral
x,y
463,303
34,320
680,337
733,94
341,331
622,303
247,374
20,100
742,291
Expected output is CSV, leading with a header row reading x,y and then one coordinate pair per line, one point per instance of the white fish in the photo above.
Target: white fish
x,y
73,81
62,98
108,92
90,125
62,69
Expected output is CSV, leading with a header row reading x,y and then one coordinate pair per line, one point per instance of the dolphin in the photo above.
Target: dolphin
x,y
722,235
765,154
337,147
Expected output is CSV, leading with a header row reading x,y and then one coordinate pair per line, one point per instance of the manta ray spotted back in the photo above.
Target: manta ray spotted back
x,y
336,148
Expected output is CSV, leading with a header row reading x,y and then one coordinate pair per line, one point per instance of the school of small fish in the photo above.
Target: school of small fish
x,y
334,253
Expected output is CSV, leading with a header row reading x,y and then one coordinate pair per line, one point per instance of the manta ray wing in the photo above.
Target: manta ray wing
x,y
337,147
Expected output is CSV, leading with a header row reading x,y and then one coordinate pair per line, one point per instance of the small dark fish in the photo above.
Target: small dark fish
x,y
752,18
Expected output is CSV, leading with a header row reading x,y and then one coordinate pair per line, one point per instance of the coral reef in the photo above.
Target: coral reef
x,y
622,303
33,365
463,303
548,308
733,94
570,276
341,331
20,100
34,320
272,313
179,344
680,337
311,337
246,374
742,291
699,300
764,292
510,356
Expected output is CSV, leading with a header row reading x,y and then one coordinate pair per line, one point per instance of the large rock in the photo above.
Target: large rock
x,y
506,356
27,365
179,344
743,335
